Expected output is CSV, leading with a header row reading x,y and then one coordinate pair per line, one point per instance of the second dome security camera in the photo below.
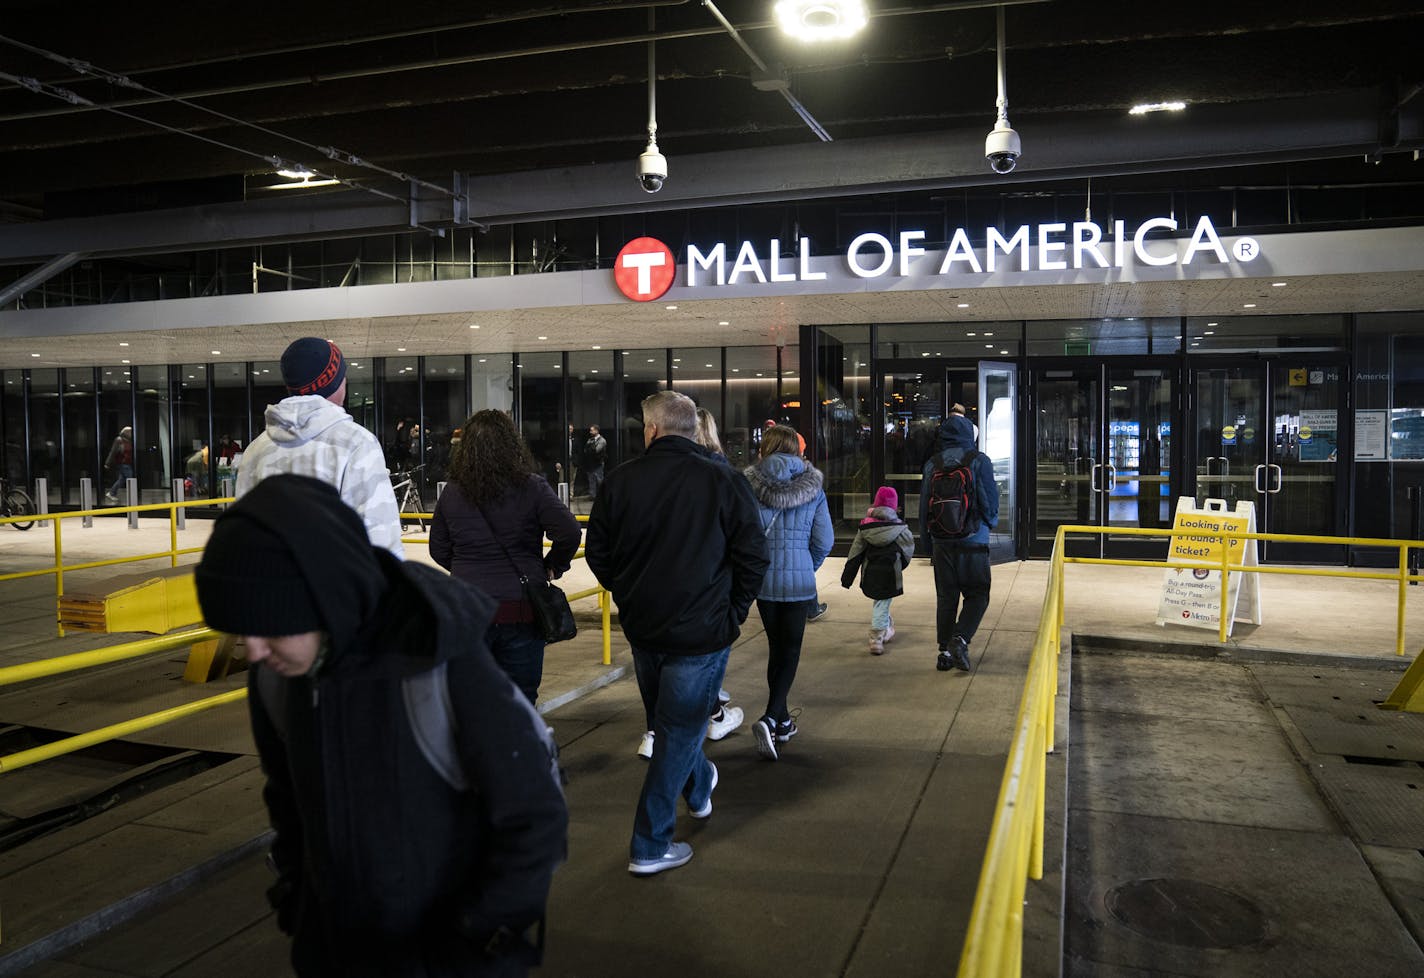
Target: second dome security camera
x,y
652,168
1002,148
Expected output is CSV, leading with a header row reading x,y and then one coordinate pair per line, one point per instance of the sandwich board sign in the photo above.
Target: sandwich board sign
x,y
1192,595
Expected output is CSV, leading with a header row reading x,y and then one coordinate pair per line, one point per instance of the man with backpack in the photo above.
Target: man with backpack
x,y
959,505
413,791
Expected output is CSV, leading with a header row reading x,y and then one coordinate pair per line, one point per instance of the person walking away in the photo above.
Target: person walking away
x,y
120,462
880,552
797,526
674,536
413,791
959,505
309,433
595,453
489,529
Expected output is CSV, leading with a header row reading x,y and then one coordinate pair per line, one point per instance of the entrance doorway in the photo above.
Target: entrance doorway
x,y
1268,433
1102,455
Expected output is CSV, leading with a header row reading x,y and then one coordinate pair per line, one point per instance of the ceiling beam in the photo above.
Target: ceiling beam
x,y
1238,134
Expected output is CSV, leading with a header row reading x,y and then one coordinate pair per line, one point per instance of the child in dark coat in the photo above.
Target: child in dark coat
x,y
882,548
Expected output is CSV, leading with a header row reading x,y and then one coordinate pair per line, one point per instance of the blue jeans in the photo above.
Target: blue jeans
x,y
125,474
880,614
518,647
683,692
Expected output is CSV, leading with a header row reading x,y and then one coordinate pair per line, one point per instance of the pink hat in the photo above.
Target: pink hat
x,y
887,497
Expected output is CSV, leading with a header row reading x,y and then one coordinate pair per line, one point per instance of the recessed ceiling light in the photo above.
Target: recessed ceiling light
x,y
989,345
651,360
1212,324
677,359
595,371
543,337
1146,107
1278,285
125,361
123,344
736,370
925,354
988,334
1248,305
474,325
723,322
400,349
758,374
1003,351
971,334
1208,332
482,359
964,305
597,347
672,308
217,353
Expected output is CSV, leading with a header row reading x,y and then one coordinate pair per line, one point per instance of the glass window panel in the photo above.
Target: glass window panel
x,y
14,412
402,390
644,374
960,341
361,393
843,426
194,455
230,416
698,374
153,436
591,400
541,379
1130,336
751,400
81,452
44,430
445,389
267,388
1248,334
492,382
115,413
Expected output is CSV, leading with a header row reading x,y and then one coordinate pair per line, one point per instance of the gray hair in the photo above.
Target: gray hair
x,y
671,412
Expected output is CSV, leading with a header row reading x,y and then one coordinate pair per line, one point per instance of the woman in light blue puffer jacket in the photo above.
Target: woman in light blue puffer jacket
x,y
798,536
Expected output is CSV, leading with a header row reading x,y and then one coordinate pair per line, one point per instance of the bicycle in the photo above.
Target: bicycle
x,y
408,494
14,501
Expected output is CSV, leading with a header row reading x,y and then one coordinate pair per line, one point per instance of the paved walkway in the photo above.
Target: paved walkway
x,y
857,853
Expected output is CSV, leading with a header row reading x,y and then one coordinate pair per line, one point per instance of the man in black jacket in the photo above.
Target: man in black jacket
x,y
676,537
413,790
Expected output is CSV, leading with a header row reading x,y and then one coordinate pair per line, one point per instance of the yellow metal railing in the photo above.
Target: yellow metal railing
x,y
59,568
993,946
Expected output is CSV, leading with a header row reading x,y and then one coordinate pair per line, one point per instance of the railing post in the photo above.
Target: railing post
x,y
564,493
179,513
225,487
1225,585
42,499
1416,525
86,501
1399,612
131,494
439,489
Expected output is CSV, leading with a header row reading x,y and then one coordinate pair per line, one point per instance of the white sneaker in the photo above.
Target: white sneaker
x,y
706,810
645,749
726,720
889,631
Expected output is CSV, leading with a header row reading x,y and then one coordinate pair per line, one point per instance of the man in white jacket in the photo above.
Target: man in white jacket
x,y
309,433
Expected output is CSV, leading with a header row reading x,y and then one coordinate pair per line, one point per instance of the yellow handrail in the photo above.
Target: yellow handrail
x,y
61,664
993,945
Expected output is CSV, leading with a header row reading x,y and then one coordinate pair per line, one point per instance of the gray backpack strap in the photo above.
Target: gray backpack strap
x,y
432,723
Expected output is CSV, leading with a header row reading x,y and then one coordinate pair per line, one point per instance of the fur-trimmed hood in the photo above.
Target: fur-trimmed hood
x,y
784,481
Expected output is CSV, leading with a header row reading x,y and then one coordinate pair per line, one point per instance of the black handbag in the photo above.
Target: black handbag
x,y
552,613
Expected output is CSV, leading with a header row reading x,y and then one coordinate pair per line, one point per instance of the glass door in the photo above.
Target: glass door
x,y
1137,473
1267,433
998,438
915,401
1065,457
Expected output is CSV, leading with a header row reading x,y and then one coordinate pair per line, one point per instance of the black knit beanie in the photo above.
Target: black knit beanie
x,y
290,557
249,582
312,365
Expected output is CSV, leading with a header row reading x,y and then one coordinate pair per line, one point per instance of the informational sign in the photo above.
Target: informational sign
x,y
1191,596
1317,436
1228,434
1371,428
1297,376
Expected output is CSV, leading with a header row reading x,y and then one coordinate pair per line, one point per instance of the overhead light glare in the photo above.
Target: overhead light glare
x,y
1278,285
295,171
821,20
1146,107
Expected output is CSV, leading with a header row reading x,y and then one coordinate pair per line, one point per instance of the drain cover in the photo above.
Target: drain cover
x,y
1187,913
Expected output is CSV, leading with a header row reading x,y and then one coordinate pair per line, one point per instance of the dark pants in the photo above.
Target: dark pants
x,y
785,624
959,572
518,647
594,474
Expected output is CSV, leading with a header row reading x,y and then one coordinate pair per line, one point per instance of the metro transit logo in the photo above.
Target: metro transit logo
x,y
644,269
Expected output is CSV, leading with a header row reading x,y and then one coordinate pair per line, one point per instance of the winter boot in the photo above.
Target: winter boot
x,y
877,641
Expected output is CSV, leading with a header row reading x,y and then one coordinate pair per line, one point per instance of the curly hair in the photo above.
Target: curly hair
x,y
491,458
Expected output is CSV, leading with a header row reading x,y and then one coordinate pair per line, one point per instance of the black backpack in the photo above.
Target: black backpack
x,y
952,506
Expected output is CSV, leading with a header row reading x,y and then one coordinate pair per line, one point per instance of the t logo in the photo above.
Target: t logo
x,y
644,269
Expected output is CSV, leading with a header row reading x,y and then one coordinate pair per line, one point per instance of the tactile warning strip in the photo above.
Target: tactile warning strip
x,y
1383,804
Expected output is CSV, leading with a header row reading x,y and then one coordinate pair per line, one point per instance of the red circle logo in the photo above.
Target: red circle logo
x,y
644,269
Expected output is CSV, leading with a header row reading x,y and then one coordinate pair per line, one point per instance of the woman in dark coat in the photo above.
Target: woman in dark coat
x,y
489,530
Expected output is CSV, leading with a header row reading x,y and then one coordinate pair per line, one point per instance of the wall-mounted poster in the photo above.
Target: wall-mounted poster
x,y
1370,430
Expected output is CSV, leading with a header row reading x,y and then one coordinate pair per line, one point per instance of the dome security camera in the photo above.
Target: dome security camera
x,y
652,168
1002,148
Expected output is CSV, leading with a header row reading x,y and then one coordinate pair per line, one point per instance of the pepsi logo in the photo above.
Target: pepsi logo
x,y
644,269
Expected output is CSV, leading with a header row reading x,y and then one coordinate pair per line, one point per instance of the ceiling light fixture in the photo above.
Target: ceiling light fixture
x,y
1278,285
821,20
652,165
1002,146
1146,107
295,171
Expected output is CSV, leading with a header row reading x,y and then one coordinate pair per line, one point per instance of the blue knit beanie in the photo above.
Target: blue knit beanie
x,y
312,365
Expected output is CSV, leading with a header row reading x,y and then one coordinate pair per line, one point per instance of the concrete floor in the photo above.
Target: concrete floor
x,y
1230,775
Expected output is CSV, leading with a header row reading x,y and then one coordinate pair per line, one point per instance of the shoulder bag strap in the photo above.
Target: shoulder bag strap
x,y
523,578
